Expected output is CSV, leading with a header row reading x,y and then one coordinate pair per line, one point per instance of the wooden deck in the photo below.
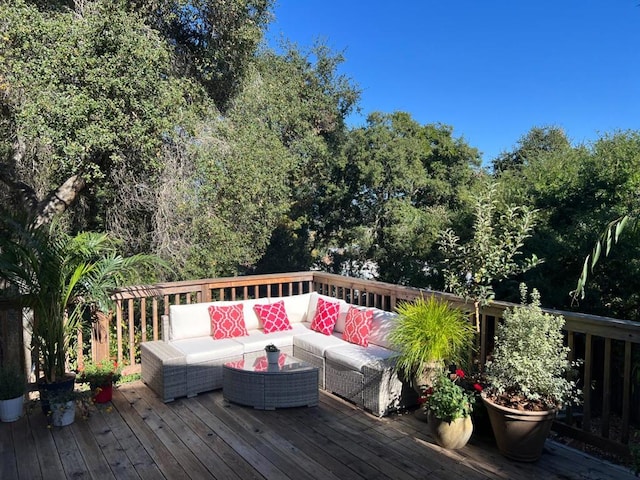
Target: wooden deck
x,y
205,437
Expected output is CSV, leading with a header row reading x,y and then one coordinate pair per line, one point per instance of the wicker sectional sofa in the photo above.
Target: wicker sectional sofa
x,y
188,360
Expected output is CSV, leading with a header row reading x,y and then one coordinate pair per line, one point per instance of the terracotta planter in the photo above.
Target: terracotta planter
x,y
520,435
451,435
11,409
103,393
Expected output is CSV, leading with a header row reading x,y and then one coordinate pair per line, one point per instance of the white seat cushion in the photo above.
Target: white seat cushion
x,y
206,349
317,343
355,357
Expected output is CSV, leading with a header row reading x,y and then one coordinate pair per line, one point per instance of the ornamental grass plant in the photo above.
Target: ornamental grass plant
x,y
530,364
430,334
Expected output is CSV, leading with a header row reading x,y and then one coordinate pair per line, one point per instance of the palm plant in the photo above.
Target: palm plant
x,y
61,278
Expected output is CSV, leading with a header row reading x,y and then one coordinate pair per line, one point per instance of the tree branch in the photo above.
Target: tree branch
x,y
58,201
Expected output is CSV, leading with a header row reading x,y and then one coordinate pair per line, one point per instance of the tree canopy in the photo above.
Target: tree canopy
x,y
171,126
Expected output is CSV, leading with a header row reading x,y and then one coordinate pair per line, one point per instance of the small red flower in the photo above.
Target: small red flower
x,y
422,400
428,391
460,373
477,387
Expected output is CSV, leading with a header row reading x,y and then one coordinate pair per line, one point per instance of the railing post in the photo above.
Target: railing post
x,y
100,337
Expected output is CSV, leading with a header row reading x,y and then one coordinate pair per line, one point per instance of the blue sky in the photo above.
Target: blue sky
x,y
492,70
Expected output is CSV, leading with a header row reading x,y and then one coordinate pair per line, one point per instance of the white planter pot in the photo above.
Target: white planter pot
x,y
11,410
63,414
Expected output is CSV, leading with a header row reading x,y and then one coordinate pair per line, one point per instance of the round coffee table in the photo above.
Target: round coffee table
x,y
258,384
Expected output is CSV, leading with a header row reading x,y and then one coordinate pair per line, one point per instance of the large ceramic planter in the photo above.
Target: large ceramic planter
x,y
520,435
451,435
63,414
11,409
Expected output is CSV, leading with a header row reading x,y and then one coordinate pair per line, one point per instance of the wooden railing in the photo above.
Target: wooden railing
x,y
608,347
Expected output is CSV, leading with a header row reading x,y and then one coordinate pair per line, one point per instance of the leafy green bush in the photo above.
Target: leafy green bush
x,y
530,363
12,383
448,401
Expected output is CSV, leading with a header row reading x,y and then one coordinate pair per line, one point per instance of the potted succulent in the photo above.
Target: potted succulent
x,y
449,408
527,378
430,335
273,353
12,388
64,280
100,376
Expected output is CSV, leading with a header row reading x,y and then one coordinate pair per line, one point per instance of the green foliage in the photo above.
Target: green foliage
x,y
448,400
429,333
530,362
12,383
397,188
577,192
492,254
100,374
215,40
62,279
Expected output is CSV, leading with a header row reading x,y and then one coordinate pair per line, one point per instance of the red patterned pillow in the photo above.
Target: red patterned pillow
x,y
326,316
227,321
357,326
274,317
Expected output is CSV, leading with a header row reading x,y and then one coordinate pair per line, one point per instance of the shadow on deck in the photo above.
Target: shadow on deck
x,y
205,437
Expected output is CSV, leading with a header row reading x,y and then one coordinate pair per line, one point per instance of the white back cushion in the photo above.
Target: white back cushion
x,y
193,320
381,326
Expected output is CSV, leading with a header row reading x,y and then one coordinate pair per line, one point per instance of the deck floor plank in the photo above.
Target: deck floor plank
x,y
206,437
160,425
8,463
130,446
201,448
22,436
161,455
235,439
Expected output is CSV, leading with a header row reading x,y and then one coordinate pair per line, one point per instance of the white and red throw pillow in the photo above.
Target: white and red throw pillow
x,y
227,321
326,316
274,317
357,326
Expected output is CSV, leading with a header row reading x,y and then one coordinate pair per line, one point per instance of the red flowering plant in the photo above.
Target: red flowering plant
x,y
100,374
447,399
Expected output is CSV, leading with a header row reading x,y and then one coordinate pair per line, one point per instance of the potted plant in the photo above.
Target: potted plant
x,y
449,408
64,280
527,378
12,388
430,335
100,376
273,353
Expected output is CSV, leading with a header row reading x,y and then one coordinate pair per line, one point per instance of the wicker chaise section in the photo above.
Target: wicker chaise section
x,y
164,369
